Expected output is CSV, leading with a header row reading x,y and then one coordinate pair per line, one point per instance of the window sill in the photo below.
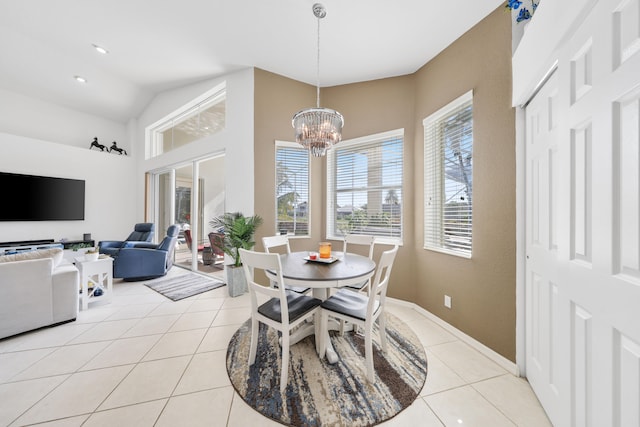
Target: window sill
x,y
448,252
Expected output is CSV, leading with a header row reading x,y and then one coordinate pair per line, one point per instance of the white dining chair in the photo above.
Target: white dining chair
x,y
283,311
282,241
362,310
359,240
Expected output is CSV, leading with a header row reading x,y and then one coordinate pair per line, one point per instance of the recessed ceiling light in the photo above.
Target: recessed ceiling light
x,y
100,49
80,79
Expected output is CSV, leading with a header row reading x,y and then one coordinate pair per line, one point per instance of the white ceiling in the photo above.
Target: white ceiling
x,y
156,45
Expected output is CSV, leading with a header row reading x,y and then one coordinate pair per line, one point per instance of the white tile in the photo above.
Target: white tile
x,y
49,337
467,362
64,360
197,320
133,311
176,344
242,301
124,351
217,338
429,333
96,314
439,376
66,422
206,304
221,292
81,393
14,363
15,398
466,407
205,408
243,415
104,331
148,381
514,397
206,371
417,414
231,316
152,325
171,307
140,415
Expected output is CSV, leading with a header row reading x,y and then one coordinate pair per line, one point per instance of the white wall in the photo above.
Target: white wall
x,y
110,196
25,116
235,141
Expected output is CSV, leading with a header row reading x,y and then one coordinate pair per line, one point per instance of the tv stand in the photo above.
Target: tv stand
x,y
30,245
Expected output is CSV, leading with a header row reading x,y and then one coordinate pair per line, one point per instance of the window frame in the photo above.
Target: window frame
x,y
154,133
331,193
435,220
295,146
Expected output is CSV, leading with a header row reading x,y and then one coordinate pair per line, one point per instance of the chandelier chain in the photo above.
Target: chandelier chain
x,y
318,68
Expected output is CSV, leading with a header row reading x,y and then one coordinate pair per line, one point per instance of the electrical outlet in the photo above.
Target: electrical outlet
x,y
447,301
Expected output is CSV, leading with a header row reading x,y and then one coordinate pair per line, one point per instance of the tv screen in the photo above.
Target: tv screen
x,y
41,198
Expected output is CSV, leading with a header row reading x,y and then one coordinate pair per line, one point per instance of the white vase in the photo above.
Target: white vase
x,y
236,281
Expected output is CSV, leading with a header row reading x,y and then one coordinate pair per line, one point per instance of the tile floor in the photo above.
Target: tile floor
x,y
147,361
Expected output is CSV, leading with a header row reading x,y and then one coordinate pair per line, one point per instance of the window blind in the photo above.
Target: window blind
x,y
364,188
292,189
448,177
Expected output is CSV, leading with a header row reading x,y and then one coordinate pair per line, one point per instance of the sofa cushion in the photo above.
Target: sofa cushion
x,y
54,253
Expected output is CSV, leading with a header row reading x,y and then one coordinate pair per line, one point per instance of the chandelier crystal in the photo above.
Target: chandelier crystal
x,y
318,129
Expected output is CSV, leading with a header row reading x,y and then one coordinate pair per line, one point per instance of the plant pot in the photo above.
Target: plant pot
x,y
236,281
91,256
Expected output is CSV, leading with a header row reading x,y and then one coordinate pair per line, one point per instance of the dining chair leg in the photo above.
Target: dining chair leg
x,y
368,350
284,374
254,341
324,333
317,329
382,330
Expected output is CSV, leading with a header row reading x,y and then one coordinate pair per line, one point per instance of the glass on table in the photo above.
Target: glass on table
x,y
325,250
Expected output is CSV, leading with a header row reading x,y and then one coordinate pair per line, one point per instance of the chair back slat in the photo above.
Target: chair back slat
x,y
378,291
271,242
360,240
253,261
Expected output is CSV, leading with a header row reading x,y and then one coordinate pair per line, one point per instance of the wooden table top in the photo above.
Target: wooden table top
x,y
348,268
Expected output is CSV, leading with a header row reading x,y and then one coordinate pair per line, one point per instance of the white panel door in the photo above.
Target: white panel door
x,y
583,225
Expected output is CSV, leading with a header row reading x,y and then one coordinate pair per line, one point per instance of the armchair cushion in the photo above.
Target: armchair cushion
x,y
142,233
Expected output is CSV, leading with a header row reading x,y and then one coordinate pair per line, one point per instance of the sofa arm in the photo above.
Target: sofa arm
x,y
66,288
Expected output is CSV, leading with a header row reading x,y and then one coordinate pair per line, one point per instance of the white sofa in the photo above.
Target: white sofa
x,y
36,289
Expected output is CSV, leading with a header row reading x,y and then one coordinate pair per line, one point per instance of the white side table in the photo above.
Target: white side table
x,y
97,275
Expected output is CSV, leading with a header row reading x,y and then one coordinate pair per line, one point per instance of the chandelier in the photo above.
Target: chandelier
x,y
318,129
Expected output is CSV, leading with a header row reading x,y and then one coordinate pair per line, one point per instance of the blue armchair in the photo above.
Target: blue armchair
x,y
146,260
142,232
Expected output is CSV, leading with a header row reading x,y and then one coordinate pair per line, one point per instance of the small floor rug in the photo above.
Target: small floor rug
x,y
184,286
321,394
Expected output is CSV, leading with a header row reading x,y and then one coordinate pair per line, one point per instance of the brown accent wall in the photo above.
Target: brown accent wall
x,y
483,287
277,99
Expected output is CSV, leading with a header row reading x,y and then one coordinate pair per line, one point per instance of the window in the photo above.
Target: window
x,y
448,178
364,188
201,117
292,189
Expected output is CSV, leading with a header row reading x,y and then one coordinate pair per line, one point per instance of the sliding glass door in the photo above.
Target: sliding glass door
x,y
190,195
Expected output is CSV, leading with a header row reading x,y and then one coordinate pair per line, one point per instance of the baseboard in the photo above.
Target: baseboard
x,y
499,359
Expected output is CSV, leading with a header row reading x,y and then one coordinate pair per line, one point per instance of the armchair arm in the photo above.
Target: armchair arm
x,y
110,244
139,244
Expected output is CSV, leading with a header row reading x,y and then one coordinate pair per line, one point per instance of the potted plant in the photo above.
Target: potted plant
x,y
239,232
91,254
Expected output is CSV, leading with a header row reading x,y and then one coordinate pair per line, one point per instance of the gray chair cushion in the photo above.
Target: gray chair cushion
x,y
298,306
350,303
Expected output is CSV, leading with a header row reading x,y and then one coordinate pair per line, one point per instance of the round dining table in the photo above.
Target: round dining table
x,y
346,269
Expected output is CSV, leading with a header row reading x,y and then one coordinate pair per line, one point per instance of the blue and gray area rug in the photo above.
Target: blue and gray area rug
x,y
184,286
321,394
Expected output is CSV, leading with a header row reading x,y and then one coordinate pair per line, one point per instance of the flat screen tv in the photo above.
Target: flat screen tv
x,y
41,198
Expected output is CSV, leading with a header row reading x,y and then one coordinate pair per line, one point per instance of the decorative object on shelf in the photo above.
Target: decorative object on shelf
x,y
525,9
318,129
239,232
96,144
91,254
114,147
